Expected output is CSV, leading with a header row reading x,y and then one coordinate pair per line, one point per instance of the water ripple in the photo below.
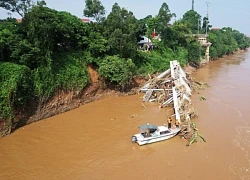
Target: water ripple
x,y
242,141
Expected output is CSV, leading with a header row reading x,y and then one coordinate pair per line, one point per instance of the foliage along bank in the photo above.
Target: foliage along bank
x,y
49,51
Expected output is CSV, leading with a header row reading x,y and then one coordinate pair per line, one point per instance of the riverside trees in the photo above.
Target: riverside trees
x,y
20,7
94,9
49,50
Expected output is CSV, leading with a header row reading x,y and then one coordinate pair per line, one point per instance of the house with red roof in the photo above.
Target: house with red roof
x,y
85,20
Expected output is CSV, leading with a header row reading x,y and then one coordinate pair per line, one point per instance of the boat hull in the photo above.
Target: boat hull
x,y
148,140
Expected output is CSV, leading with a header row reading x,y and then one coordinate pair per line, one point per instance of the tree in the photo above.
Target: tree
x,y
178,35
152,24
15,87
162,19
193,21
164,16
94,9
205,25
116,70
194,51
8,38
121,31
49,31
97,45
226,41
19,6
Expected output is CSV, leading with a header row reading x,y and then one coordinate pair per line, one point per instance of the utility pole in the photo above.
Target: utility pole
x,y
207,16
193,5
198,27
207,8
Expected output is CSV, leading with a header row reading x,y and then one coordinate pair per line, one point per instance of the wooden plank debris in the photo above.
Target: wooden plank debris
x,y
147,95
170,87
162,75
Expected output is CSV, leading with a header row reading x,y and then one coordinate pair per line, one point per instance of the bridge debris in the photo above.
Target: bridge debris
x,y
173,88
191,133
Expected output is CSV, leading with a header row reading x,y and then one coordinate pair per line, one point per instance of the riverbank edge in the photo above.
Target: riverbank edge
x,y
63,102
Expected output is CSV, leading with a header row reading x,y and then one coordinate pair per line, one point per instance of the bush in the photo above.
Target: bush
x,y
67,72
116,70
71,72
15,87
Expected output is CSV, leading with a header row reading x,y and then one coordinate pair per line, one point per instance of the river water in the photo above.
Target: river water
x,y
93,141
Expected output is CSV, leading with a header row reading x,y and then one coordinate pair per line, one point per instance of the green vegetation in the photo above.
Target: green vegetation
x,y
116,70
15,86
49,51
226,41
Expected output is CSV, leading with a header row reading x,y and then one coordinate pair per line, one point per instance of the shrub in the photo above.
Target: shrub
x,y
116,70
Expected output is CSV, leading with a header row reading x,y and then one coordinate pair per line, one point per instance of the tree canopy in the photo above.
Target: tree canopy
x,y
94,9
193,21
164,17
19,6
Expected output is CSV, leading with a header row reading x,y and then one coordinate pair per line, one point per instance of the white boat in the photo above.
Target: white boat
x,y
152,133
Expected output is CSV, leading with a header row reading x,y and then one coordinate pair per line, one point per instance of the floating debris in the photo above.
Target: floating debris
x,y
132,116
191,133
202,98
196,85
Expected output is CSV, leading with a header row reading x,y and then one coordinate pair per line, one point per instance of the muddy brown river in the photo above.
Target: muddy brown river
x,y
93,141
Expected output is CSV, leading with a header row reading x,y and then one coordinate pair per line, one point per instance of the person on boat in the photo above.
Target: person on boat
x,y
177,124
169,123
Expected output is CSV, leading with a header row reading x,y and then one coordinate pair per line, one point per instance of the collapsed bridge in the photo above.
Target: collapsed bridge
x,y
171,88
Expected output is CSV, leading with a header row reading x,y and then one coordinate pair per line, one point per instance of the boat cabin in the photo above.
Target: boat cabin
x,y
148,130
